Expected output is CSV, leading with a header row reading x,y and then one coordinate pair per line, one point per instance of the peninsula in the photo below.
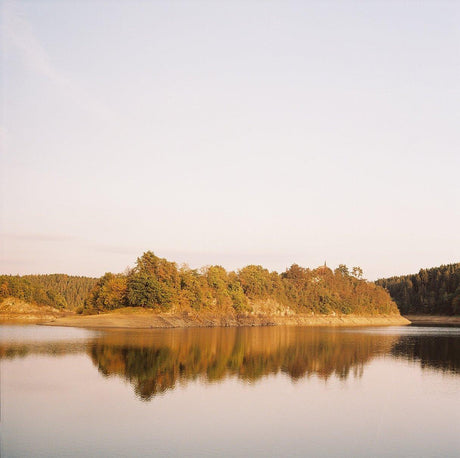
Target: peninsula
x,y
157,293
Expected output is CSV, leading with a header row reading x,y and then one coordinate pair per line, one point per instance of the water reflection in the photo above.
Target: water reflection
x,y
440,352
158,360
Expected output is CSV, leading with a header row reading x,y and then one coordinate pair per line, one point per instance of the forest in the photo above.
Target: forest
x,y
157,283
56,290
434,291
160,284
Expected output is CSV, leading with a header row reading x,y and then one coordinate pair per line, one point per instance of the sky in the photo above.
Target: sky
x,y
230,133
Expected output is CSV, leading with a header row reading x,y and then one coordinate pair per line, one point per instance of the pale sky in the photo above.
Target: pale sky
x,y
231,133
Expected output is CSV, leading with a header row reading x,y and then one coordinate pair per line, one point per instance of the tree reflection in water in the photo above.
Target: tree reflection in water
x,y
433,352
157,360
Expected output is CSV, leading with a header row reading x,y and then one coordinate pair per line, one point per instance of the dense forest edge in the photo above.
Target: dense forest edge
x,y
434,291
158,284
61,291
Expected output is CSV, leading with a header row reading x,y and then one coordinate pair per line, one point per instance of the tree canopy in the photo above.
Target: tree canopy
x,y
159,284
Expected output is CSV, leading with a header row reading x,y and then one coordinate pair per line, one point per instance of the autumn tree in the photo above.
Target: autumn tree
x,y
110,292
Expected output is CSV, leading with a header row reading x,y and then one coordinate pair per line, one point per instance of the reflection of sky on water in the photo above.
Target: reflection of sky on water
x,y
35,333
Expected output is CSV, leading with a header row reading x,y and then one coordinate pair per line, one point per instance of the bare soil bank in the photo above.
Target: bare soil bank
x,y
146,319
433,319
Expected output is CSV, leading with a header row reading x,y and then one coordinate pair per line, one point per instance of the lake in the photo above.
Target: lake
x,y
271,391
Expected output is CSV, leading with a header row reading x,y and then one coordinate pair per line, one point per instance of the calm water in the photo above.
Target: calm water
x,y
234,392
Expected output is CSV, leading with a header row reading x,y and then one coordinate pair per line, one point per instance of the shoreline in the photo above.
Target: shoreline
x,y
433,320
145,319
17,311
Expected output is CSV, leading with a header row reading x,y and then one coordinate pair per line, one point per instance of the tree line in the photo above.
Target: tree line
x,y
434,291
157,283
56,290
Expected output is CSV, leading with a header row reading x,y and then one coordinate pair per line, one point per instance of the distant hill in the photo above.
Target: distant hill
x,y
56,290
434,291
